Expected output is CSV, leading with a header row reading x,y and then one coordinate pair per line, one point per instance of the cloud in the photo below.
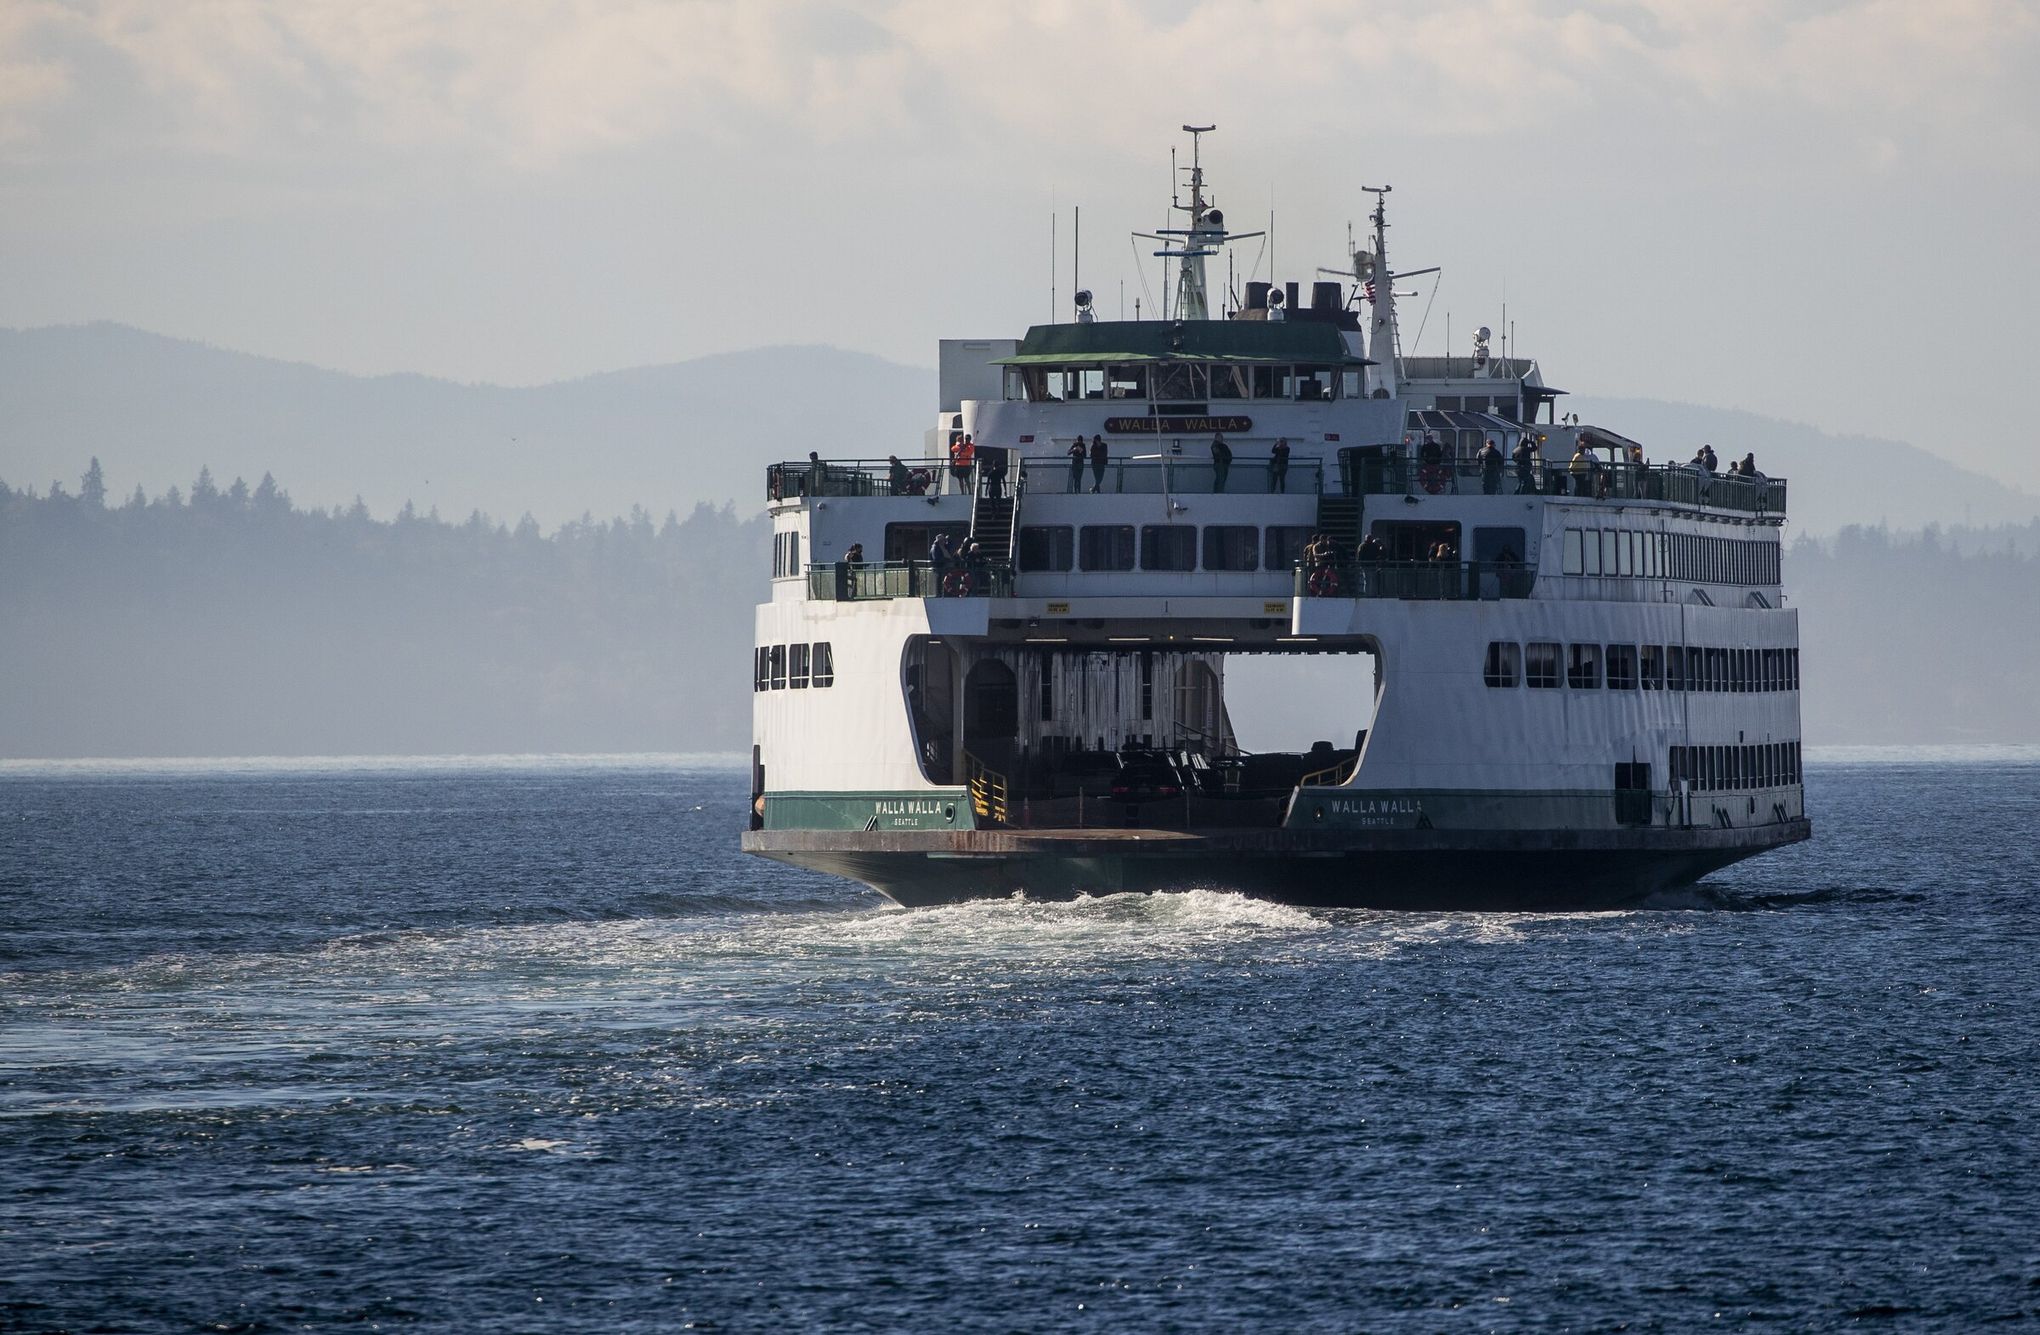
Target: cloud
x,y
529,84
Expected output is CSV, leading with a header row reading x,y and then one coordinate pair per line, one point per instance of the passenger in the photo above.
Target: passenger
x,y
1525,457
1582,469
995,465
901,481
1278,465
1708,456
1445,553
962,455
1099,456
1371,551
1221,460
941,555
855,556
1431,453
1076,465
1490,468
814,473
846,572
1749,467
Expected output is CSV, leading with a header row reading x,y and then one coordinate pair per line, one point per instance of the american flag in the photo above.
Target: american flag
x,y
1368,291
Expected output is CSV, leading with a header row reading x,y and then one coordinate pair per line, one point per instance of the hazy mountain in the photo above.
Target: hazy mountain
x,y
155,409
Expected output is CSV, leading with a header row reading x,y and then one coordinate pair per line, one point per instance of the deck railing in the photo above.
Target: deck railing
x,y
1255,475
1676,483
844,581
1423,581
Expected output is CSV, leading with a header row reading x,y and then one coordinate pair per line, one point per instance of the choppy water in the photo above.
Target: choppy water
x,y
527,1045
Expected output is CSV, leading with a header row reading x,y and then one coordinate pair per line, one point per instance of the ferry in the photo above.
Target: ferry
x,y
997,664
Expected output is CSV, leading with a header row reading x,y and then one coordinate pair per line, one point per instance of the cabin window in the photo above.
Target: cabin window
x,y
1180,382
1016,385
1168,547
1126,382
1229,382
761,668
1504,663
797,667
1540,666
1448,403
1610,540
824,663
1284,544
1591,541
1232,547
778,667
910,542
1652,674
1313,383
1791,669
1675,668
1047,547
1696,669
1621,667
1583,667
1575,563
1105,546
785,554
1350,385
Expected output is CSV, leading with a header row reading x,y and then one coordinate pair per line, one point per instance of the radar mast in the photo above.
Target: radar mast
x,y
1191,246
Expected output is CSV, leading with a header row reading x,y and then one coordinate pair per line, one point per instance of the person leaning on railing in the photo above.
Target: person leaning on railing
x,y
1076,453
1278,465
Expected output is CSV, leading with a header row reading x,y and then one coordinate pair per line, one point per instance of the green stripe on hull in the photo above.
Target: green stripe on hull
x,y
940,809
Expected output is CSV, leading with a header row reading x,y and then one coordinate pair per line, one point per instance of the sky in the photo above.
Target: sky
x,y
1819,211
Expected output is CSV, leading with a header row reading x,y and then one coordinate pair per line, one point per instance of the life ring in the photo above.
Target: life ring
x,y
1323,582
958,583
1432,478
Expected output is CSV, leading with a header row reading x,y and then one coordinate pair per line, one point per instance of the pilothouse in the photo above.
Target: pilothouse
x,y
996,662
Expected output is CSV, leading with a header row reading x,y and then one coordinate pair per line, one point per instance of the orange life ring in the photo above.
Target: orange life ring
x,y
958,583
1323,582
1432,478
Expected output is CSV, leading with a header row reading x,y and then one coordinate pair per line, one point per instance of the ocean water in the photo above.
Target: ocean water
x,y
526,1045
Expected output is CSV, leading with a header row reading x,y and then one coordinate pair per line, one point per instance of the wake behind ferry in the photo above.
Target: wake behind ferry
x,y
999,665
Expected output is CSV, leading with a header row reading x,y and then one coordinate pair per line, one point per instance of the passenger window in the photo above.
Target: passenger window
x,y
1168,547
1621,667
1046,547
1583,667
778,667
761,669
1284,545
1574,563
824,663
1675,668
797,667
1540,666
1106,546
1503,663
1232,547
1592,542
1652,677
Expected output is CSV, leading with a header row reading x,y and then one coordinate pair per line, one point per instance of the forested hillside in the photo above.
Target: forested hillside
x,y
230,622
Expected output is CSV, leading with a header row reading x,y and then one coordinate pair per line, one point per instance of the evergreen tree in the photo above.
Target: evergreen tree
x,y
237,495
92,489
204,491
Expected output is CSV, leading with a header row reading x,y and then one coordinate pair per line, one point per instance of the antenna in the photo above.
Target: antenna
x,y
1051,263
1077,250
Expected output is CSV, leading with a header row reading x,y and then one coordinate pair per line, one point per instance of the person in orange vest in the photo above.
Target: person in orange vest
x,y
962,455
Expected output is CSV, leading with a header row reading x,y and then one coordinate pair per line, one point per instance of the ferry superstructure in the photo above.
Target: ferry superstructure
x,y
1584,679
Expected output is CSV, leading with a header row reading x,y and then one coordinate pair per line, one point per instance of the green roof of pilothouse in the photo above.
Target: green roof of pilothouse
x,y
1270,342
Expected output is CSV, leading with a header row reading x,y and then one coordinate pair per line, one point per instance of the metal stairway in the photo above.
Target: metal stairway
x,y
991,524
1338,517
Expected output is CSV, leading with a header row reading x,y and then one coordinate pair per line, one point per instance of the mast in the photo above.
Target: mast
x,y
1191,246
1381,336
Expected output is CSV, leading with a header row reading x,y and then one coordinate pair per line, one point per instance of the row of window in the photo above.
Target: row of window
x,y
1061,548
1685,556
779,667
1720,768
1650,667
785,554
1180,382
